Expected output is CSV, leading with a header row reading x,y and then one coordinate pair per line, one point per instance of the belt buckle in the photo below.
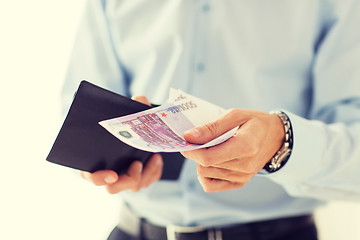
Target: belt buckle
x,y
171,230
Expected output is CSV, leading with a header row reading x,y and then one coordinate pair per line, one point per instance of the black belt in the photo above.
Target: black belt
x,y
264,230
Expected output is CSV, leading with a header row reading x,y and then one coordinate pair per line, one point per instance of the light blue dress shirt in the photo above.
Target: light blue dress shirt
x,y
300,56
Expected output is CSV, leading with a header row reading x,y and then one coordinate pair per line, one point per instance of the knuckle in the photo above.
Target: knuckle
x,y
212,160
199,157
201,170
205,162
212,127
235,113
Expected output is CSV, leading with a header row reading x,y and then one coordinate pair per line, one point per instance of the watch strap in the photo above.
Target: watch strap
x,y
281,156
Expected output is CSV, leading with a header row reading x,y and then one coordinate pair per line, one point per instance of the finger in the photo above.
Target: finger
x,y
214,185
101,177
237,147
134,174
215,155
244,165
209,131
128,181
142,99
244,144
223,174
152,171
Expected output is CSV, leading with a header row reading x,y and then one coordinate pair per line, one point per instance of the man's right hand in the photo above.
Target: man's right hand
x,y
136,178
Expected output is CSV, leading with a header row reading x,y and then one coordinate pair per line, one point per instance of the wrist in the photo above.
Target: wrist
x,y
283,154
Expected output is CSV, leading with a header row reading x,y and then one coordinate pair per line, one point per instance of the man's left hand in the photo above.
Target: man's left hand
x,y
233,163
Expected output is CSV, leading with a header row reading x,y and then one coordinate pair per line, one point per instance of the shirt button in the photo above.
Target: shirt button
x,y
200,67
206,8
191,184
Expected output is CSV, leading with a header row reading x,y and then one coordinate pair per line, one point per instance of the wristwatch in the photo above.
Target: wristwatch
x,y
282,156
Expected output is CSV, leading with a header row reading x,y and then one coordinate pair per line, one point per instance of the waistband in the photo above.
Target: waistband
x,y
266,230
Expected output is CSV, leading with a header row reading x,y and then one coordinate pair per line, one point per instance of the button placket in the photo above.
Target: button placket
x,y
203,8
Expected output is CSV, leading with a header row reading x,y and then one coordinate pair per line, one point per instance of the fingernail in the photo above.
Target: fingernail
x,y
158,161
110,179
140,168
194,132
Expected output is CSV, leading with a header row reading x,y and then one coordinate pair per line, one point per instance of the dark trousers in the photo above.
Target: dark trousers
x,y
304,233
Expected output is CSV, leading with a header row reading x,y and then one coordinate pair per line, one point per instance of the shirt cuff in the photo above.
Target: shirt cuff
x,y
308,148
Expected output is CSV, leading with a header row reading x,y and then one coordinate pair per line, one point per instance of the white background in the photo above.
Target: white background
x,y
43,201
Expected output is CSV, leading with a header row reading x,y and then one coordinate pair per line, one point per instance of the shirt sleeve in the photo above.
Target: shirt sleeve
x,y
325,162
94,57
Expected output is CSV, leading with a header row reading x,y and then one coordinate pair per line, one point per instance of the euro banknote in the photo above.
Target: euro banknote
x,y
161,129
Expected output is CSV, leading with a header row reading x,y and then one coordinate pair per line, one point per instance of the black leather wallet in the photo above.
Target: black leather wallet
x,y
83,144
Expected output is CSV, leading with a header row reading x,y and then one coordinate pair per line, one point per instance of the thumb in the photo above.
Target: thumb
x,y
211,130
204,133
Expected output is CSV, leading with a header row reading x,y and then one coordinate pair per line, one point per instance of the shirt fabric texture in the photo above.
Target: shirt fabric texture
x,y
299,56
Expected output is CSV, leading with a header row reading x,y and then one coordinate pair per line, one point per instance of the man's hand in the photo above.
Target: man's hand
x,y
137,176
233,163
135,179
